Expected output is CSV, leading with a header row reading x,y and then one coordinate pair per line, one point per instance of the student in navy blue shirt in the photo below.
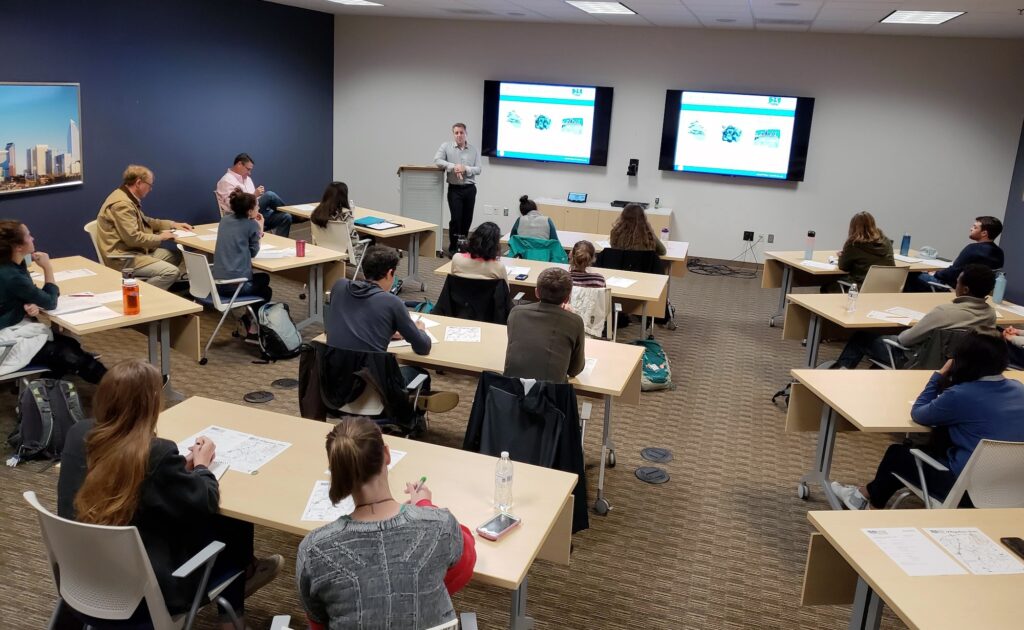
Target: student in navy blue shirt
x,y
982,251
971,399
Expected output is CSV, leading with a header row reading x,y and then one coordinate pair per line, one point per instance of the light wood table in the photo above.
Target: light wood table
x,y
870,401
615,375
844,566
675,251
412,235
168,320
595,216
461,482
648,289
783,270
808,314
320,268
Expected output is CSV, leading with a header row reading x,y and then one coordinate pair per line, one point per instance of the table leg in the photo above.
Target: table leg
x,y
601,504
813,340
823,459
867,608
414,260
518,619
159,336
643,321
784,290
315,296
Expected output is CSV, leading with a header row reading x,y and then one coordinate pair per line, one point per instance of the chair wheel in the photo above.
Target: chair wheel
x,y
203,361
610,460
601,506
302,296
802,492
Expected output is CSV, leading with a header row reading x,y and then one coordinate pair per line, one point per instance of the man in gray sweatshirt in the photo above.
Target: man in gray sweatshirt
x,y
968,310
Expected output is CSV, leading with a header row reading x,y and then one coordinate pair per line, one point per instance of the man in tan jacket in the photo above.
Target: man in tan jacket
x,y
121,228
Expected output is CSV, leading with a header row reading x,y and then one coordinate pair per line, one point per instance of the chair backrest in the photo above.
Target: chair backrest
x,y
200,277
93,231
474,298
885,279
992,476
625,260
343,380
448,625
337,236
937,347
104,571
594,306
221,210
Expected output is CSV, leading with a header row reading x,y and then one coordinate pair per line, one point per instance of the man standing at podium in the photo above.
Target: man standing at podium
x,y
461,163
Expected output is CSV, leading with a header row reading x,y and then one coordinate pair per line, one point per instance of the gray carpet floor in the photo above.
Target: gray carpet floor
x,y
721,545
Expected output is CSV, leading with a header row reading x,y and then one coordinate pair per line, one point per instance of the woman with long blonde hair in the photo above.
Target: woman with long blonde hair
x,y
633,232
116,471
866,245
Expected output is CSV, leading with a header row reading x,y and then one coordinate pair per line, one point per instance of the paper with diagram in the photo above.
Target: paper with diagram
x,y
914,552
976,551
320,508
244,452
466,334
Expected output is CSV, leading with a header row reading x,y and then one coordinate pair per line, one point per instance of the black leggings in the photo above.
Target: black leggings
x,y
899,460
64,355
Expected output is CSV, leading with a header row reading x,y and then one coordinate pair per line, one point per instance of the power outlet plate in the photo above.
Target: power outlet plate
x,y
771,238
748,235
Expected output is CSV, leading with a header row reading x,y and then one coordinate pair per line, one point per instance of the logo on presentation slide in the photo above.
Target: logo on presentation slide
x,y
775,100
577,91
731,134
573,125
767,138
513,119
696,130
541,122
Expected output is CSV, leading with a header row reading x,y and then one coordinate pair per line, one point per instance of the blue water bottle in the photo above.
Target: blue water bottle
x,y
1000,288
809,250
905,245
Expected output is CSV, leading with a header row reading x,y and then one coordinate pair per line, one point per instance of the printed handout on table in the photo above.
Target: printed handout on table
x,y
889,317
899,311
429,323
621,283
588,367
1013,308
466,334
976,551
906,259
320,508
938,264
244,452
814,264
71,274
305,207
92,315
401,343
271,252
183,233
516,271
913,552
72,304
208,237
109,296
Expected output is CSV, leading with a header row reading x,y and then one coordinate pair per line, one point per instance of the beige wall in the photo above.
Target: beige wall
x,y
920,131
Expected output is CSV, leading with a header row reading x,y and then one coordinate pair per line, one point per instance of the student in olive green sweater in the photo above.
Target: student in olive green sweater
x,y
866,245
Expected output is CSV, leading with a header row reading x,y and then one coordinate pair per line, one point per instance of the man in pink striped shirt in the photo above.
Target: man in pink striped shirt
x,y
240,176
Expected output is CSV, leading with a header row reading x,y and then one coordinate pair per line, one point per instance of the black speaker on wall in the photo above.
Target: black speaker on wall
x,y
634,166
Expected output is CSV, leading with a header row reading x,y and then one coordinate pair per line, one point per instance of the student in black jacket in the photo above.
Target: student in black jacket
x,y
983,251
117,472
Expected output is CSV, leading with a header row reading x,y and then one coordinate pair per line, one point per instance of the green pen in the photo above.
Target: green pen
x,y
419,485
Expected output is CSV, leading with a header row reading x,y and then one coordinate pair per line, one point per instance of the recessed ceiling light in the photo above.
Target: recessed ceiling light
x,y
606,8
357,3
920,17
787,4
725,20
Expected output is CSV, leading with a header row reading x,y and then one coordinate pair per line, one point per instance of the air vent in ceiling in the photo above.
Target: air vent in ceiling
x,y
782,22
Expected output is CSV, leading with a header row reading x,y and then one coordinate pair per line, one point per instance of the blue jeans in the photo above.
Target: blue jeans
x,y
918,283
274,220
868,343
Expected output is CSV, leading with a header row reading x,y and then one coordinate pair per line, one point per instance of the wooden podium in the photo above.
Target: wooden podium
x,y
422,196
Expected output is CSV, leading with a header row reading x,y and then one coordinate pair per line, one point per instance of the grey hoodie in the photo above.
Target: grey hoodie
x,y
362,316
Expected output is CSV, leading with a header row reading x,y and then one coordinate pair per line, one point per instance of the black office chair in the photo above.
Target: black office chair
x,y
639,262
476,299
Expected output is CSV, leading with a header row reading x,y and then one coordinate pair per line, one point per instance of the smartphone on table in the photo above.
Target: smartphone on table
x,y
522,276
498,526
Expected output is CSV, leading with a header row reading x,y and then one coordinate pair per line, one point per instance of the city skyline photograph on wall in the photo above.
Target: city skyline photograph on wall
x,y
40,136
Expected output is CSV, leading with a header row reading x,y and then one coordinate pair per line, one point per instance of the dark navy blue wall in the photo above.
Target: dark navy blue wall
x,y
1013,231
180,87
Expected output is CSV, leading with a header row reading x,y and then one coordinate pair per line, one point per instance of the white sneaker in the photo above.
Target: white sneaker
x,y
850,496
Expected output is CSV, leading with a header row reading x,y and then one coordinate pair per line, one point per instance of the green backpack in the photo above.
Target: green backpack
x,y
655,372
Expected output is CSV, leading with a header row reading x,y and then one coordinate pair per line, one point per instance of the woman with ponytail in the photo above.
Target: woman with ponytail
x,y
581,257
238,241
412,555
532,223
116,471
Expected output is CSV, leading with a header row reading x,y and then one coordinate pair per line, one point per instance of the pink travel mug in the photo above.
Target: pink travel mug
x,y
300,248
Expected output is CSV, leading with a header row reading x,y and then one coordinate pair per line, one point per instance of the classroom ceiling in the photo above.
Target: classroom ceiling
x,y
983,18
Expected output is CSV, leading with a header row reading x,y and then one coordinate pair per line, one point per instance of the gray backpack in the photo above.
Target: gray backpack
x,y
278,336
47,409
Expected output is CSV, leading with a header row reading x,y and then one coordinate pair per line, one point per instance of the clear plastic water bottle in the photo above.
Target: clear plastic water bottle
x,y
664,234
809,250
1000,288
905,245
503,483
851,298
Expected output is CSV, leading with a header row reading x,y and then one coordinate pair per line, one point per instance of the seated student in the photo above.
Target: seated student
x,y
1014,345
633,232
532,223
546,339
971,399
115,471
365,316
983,251
865,245
334,206
20,303
402,561
968,310
481,260
240,176
581,257
238,240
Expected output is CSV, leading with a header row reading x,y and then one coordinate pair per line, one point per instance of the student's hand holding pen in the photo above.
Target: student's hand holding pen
x,y
418,491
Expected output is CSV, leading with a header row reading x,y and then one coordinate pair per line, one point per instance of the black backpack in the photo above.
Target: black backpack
x,y
47,409
278,336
